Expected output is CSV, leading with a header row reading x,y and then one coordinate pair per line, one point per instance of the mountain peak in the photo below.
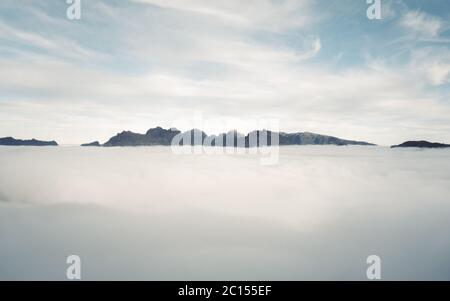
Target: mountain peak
x,y
421,144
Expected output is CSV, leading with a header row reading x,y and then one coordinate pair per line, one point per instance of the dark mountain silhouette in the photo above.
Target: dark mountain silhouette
x,y
192,137
160,136
156,136
315,139
10,141
421,144
95,143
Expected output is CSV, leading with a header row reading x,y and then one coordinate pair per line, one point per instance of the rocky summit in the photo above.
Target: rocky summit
x,y
160,136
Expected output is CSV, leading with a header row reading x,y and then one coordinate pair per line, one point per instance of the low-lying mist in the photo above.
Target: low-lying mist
x,y
147,214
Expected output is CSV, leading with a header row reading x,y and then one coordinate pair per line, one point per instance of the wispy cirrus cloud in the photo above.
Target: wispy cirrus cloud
x,y
56,46
435,64
422,24
265,14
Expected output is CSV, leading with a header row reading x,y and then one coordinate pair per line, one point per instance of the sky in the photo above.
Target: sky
x,y
319,66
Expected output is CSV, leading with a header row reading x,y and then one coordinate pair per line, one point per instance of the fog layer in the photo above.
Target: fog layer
x,y
147,214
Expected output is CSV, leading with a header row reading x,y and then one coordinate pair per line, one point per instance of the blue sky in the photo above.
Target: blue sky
x,y
318,66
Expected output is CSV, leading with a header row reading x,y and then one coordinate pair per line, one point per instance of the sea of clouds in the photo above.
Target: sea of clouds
x,y
147,214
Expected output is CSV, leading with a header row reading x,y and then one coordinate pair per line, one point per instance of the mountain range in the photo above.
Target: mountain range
x,y
164,137
160,136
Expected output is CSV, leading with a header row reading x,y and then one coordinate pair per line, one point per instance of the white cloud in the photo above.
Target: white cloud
x,y
423,24
434,63
267,14
439,73
54,45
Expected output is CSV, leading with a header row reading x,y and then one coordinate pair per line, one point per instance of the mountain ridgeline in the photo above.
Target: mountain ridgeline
x,y
160,136
421,144
10,141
